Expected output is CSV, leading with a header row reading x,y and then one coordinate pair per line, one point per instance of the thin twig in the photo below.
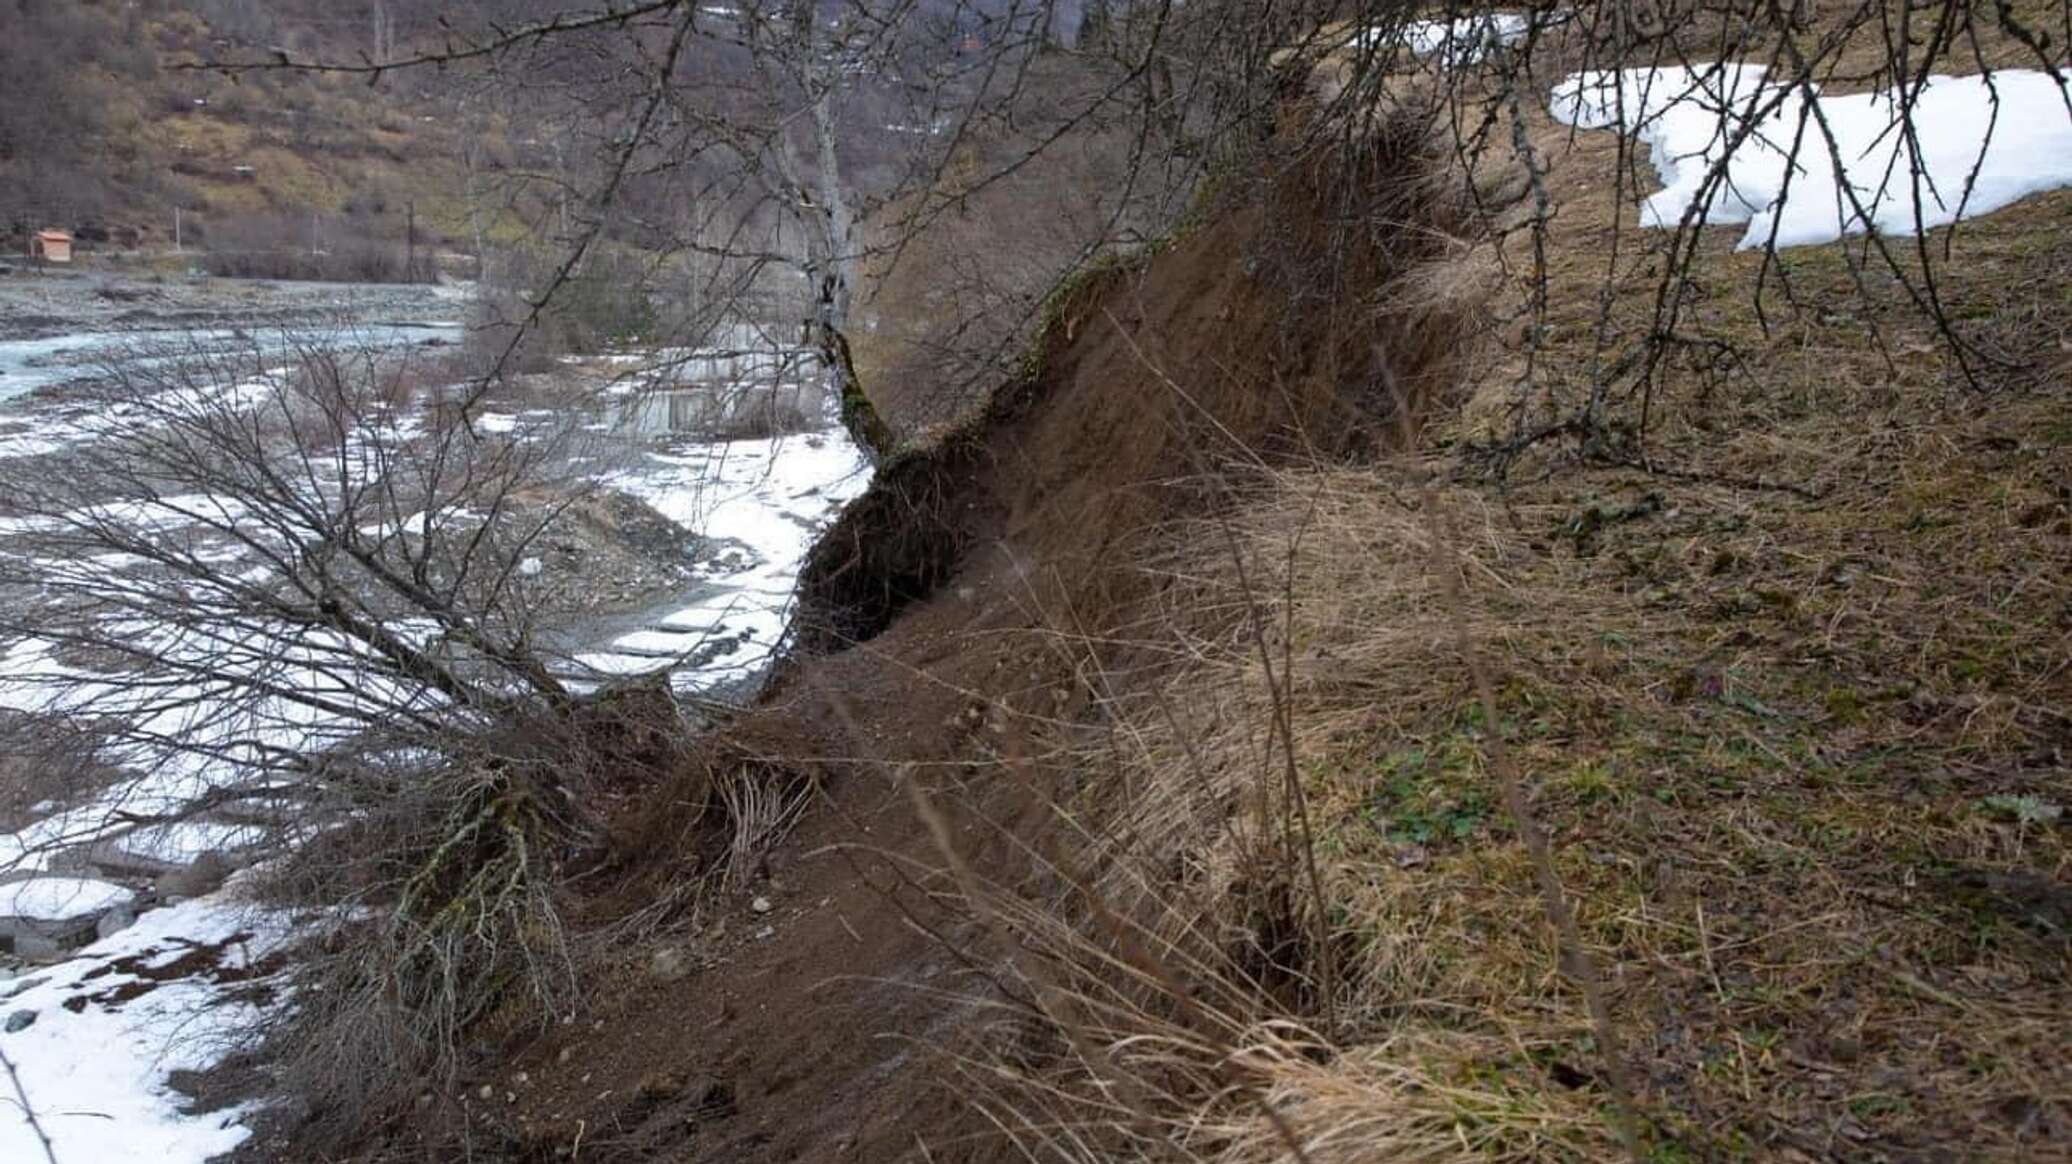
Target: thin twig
x,y
1576,956
50,1152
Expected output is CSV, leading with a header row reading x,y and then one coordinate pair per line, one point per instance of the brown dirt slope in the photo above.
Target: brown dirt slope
x,y
796,1018
1787,698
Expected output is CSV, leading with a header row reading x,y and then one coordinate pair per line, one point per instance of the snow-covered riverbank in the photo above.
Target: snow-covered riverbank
x,y
103,1029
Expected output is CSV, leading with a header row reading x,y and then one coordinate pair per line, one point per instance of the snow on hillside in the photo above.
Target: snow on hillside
x,y
1456,42
1801,172
58,898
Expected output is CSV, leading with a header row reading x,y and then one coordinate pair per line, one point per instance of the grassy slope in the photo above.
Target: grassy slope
x,y
1795,746
314,145
1782,703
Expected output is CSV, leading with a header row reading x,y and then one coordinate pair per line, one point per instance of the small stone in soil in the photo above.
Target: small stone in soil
x,y
669,964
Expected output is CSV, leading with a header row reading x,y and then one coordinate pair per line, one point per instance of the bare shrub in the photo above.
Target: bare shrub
x,y
443,884
297,247
300,584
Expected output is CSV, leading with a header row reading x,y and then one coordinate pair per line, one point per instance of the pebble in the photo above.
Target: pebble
x,y
23,986
669,964
20,1020
761,905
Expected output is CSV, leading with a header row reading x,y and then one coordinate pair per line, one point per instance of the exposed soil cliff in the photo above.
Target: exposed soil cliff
x,y
799,1020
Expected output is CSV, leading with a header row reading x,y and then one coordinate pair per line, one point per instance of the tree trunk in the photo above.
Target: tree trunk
x,y
832,269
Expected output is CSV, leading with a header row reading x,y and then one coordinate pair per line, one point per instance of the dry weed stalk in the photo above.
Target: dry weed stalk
x,y
1301,845
21,1099
1576,955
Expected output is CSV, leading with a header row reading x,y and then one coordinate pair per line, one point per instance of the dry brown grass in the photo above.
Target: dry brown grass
x,y
1768,735
1788,694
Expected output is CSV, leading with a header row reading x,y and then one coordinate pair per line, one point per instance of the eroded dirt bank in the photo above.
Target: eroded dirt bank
x,y
1785,705
953,624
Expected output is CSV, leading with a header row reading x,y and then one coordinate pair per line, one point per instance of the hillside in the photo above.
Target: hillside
x,y
111,126
1197,760
1456,648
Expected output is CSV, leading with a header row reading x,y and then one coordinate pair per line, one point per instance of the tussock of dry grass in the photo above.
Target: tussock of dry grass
x,y
1133,1047
1781,742
1782,652
1766,734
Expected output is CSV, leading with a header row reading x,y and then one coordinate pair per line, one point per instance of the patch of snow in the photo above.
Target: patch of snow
x,y
59,898
610,663
96,1076
414,524
185,737
183,842
146,514
660,642
30,443
1466,40
772,497
1461,41
1979,143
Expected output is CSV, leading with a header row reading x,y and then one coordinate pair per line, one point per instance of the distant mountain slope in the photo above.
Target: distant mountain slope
x,y
108,126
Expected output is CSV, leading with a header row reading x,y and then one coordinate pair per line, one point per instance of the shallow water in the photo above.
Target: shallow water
x,y
26,365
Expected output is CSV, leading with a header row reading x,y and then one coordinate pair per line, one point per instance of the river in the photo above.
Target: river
x,y
703,592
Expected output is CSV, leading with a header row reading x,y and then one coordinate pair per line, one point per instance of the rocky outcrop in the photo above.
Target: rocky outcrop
x,y
43,916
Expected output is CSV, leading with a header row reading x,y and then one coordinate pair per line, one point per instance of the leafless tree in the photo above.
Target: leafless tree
x,y
289,576
770,159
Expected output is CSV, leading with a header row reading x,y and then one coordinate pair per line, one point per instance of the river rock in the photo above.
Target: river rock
x,y
669,964
43,916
